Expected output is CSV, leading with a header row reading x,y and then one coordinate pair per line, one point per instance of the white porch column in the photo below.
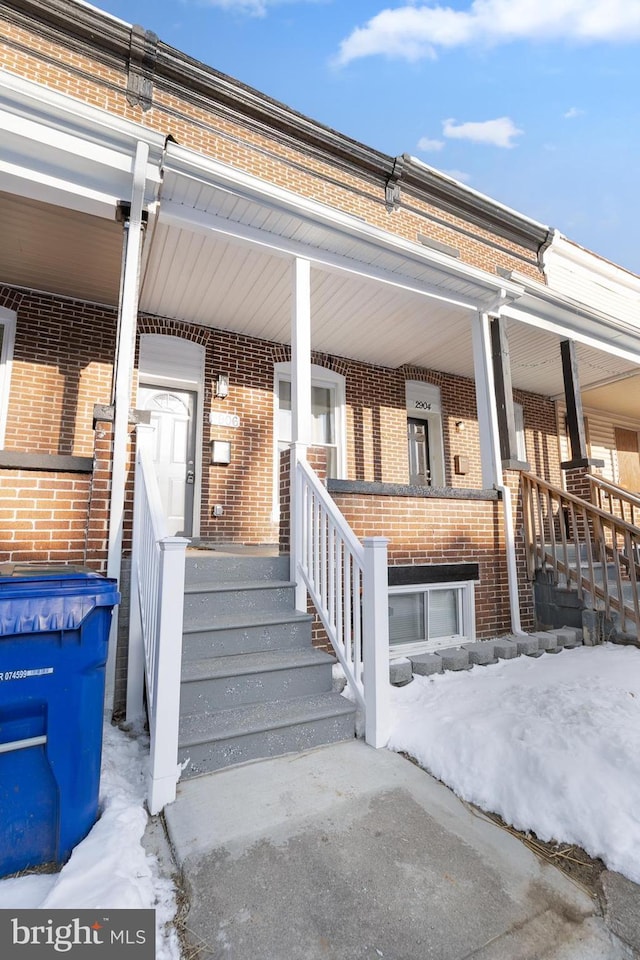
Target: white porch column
x,y
300,403
375,633
485,399
301,351
490,453
136,658
127,318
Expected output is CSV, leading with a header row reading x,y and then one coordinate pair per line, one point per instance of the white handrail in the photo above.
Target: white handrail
x,y
347,582
155,635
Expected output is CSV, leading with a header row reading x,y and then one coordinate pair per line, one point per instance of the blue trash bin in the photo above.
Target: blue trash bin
x,y
54,632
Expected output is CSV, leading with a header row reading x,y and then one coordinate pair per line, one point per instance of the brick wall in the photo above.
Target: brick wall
x,y
62,366
205,126
426,530
43,516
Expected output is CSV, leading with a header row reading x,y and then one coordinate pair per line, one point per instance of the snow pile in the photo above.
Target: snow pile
x,y
551,744
109,868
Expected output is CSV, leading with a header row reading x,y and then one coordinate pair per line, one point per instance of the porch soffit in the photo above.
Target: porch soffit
x,y
49,248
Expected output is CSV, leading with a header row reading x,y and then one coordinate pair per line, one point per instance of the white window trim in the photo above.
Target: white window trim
x,y
320,377
8,320
466,611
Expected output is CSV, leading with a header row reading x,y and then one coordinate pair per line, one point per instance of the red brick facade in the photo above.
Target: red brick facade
x,y
64,354
63,366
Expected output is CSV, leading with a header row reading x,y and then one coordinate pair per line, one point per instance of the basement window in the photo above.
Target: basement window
x,y
424,617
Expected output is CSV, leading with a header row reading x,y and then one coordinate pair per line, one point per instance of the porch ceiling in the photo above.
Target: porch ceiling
x,y
210,278
57,250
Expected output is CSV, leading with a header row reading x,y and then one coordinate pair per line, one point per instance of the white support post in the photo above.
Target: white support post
x,y
165,707
127,319
296,525
136,655
490,454
486,403
376,642
301,351
300,405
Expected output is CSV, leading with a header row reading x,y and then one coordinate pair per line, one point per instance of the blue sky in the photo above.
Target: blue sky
x,y
533,102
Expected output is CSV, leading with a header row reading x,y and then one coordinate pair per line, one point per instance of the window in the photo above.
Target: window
x,y
327,418
426,617
323,421
7,337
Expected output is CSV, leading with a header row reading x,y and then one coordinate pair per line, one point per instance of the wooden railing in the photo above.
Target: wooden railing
x,y
347,581
155,635
614,499
584,546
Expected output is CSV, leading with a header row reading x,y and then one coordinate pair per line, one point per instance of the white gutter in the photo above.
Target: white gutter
x,y
127,319
103,13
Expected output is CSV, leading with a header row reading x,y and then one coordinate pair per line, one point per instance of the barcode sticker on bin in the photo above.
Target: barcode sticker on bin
x,y
23,674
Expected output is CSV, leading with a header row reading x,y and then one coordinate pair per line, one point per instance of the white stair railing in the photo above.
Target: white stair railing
x,y
347,582
155,632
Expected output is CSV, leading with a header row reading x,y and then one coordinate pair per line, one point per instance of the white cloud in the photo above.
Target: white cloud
x,y
430,146
254,8
499,133
572,113
413,32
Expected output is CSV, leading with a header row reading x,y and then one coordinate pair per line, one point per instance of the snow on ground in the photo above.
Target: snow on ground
x,y
551,744
109,868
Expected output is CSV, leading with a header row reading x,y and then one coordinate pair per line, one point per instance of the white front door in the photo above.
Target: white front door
x,y
172,416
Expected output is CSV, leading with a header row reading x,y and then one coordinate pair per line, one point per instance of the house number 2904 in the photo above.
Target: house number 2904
x,y
422,405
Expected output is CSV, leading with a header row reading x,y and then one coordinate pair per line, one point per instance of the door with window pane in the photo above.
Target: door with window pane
x,y
419,458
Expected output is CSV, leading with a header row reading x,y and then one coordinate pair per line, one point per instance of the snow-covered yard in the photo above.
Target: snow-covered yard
x,y
551,744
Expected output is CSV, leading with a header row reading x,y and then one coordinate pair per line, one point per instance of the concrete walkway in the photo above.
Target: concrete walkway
x,y
348,853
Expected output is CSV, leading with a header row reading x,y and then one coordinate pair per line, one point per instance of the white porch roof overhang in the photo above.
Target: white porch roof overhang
x,y
220,243
220,251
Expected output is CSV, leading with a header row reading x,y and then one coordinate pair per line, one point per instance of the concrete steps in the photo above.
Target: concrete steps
x,y
252,685
560,599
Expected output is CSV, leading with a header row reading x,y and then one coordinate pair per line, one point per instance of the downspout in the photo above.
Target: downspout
x,y
123,372
483,344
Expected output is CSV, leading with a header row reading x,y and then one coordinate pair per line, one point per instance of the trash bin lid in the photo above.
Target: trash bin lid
x,y
39,597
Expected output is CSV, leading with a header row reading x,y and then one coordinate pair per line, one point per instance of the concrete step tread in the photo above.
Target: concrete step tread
x,y
260,717
227,586
243,620
237,665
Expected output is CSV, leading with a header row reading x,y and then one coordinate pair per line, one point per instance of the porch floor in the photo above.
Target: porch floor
x,y
346,852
